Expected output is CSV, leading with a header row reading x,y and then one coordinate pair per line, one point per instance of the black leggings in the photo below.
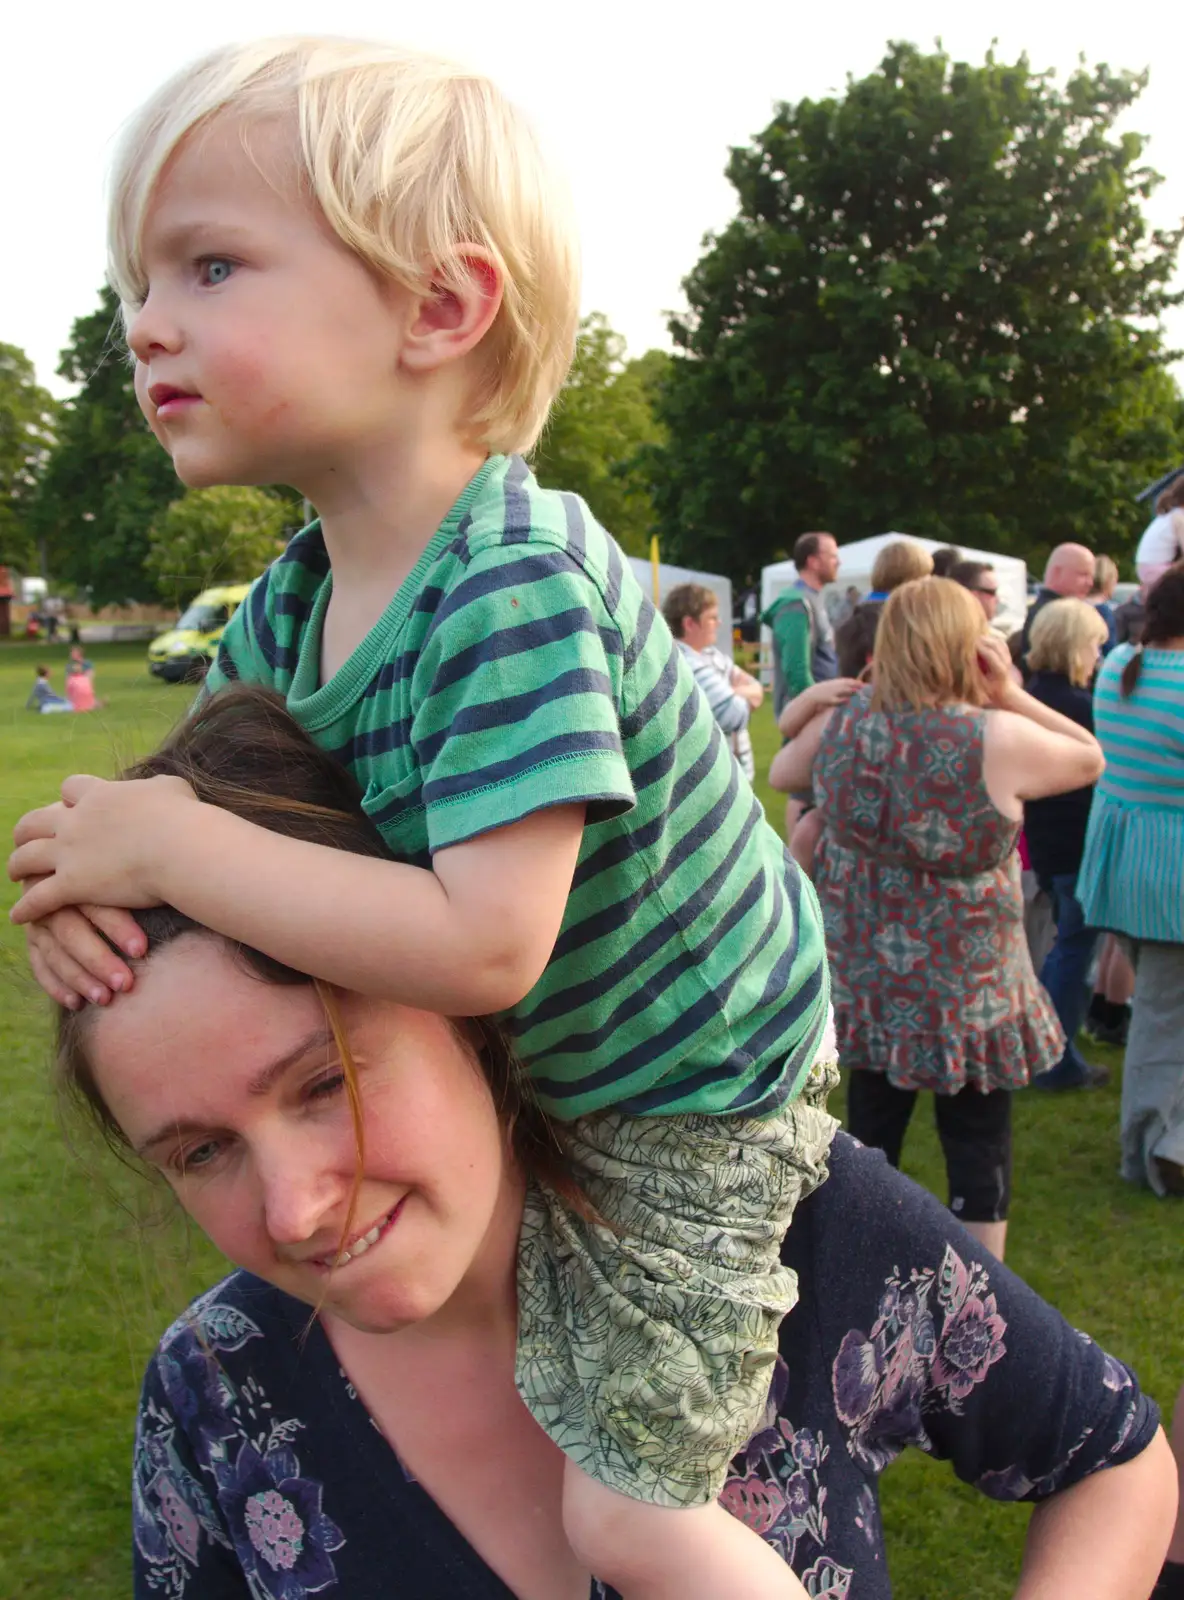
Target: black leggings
x,y
975,1134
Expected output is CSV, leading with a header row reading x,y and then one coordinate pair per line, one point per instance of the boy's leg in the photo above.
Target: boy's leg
x,y
648,1552
647,1335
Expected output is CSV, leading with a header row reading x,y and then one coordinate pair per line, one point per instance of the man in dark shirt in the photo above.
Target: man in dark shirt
x,y
1069,575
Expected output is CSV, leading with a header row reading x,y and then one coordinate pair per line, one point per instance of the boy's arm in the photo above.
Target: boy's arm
x,y
470,936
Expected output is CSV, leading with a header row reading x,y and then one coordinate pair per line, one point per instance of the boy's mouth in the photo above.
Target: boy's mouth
x,y
167,399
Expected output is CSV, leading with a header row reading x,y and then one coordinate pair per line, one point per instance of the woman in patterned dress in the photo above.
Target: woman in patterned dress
x,y
921,782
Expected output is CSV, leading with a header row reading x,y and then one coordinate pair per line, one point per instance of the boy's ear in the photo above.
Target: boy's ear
x,y
450,321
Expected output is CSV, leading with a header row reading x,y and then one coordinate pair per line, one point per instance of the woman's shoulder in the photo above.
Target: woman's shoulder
x,y
226,1319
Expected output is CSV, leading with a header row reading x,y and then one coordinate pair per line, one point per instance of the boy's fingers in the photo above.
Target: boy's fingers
x,y
50,982
39,824
38,902
121,928
32,860
80,957
74,787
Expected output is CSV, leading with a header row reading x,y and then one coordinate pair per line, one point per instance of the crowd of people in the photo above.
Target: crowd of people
x,y
472,1006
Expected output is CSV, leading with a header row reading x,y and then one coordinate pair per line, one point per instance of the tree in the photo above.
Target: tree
x,y
937,309
27,415
601,427
225,534
106,476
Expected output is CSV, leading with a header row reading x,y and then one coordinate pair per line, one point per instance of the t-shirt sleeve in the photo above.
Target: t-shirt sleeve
x,y
517,697
181,1547
948,1350
248,649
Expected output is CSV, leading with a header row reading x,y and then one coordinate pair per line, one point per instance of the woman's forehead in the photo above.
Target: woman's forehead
x,y
193,1006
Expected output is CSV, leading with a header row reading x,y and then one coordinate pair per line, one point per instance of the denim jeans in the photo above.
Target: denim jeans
x,y
1066,968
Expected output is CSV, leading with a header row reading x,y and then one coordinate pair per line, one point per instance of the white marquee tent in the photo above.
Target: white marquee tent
x,y
857,560
669,577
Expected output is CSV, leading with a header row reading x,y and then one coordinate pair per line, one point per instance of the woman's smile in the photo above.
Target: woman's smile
x,y
360,1243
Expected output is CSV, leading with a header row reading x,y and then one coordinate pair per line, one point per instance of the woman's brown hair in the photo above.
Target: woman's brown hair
x,y
242,751
900,562
1165,621
927,648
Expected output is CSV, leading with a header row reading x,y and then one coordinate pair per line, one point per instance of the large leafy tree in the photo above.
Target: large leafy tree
x,y
27,419
601,429
938,310
226,534
106,477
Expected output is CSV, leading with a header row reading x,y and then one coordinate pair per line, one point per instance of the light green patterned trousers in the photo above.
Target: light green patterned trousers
x,y
646,1347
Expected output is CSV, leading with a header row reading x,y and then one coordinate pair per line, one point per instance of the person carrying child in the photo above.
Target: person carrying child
x,y
347,268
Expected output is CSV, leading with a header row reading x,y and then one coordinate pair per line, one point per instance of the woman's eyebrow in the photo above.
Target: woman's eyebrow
x,y
265,1079
270,1075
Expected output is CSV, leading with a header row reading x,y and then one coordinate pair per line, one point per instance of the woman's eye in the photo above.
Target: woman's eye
x,y
197,1158
325,1088
215,270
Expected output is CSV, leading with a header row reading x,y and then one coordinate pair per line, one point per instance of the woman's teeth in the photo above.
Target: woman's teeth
x,y
363,1244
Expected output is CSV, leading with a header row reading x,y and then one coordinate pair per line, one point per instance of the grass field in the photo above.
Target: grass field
x,y
90,1289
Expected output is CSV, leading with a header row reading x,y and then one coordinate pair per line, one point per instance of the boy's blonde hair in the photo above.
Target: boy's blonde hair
x,y
411,158
927,648
1063,633
900,562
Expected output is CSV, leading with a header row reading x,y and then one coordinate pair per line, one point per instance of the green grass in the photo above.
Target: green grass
x,y
89,1291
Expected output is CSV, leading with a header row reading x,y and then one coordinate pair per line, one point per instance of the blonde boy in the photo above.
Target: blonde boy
x,y
345,267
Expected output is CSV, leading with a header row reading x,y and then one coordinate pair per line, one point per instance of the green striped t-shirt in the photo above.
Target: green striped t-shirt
x,y
520,666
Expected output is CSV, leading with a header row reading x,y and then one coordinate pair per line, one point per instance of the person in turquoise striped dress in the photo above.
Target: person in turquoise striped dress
x,y
1132,874
346,268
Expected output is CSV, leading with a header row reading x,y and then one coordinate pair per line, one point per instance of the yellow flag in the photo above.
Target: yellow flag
x,y
655,564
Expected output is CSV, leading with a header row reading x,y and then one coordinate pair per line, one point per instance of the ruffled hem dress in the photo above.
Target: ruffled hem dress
x,y
919,880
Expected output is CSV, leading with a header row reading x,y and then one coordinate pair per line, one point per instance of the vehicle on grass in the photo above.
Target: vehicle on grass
x,y
184,653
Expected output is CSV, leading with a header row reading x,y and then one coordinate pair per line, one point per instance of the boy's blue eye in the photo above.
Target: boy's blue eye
x,y
216,269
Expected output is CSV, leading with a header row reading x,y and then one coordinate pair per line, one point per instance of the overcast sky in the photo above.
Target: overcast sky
x,y
641,101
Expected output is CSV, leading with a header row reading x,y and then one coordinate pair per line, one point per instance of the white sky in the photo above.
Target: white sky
x,y
641,102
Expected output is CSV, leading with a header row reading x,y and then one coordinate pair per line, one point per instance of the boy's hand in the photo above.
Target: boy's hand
x,y
102,844
72,963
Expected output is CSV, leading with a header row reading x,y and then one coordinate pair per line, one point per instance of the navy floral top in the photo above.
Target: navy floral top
x,y
258,1472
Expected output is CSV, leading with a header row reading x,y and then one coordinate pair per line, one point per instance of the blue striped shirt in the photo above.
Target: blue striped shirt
x,y
1132,872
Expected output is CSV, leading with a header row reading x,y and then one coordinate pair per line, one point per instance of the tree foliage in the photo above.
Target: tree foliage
x,y
27,418
106,477
602,426
938,310
226,534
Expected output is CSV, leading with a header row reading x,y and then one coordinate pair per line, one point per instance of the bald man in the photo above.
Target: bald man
x,y
1069,575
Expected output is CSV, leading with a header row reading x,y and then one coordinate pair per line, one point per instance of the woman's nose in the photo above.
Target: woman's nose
x,y
299,1200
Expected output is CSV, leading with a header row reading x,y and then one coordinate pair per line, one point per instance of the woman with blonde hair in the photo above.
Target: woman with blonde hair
x,y
902,561
921,781
1067,640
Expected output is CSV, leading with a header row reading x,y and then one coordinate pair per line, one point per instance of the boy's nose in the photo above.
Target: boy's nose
x,y
151,331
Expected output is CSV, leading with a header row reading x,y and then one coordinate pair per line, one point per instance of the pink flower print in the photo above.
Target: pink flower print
x,y
274,1529
970,1343
753,1502
184,1528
